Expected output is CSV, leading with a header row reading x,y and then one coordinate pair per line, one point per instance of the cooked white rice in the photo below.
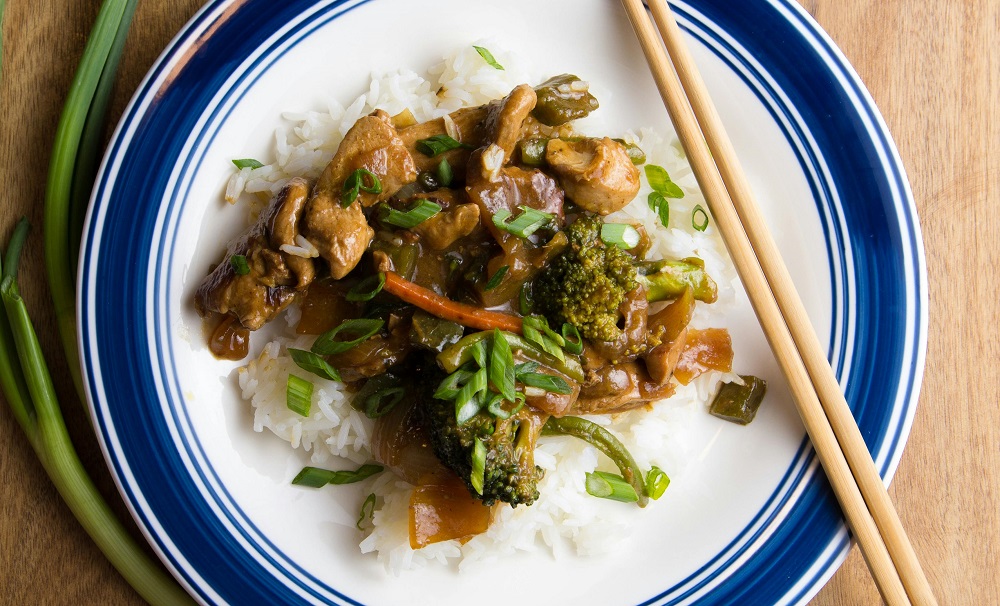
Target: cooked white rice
x,y
564,519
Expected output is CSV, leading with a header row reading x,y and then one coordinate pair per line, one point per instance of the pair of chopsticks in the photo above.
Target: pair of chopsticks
x,y
827,418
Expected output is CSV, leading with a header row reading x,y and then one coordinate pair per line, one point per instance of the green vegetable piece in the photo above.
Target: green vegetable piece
x,y
315,477
469,402
659,203
417,213
606,442
355,184
247,163
367,511
526,223
438,144
546,382
502,366
308,361
496,278
656,483
327,344
452,358
488,57
524,299
739,403
478,477
445,174
379,395
366,289
532,151
433,333
240,265
562,99
699,218
635,153
298,395
622,235
667,279
610,486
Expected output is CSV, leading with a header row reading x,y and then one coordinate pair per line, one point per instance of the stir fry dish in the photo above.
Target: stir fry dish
x,y
465,284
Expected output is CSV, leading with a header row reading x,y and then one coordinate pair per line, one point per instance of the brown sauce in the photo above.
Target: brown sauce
x,y
229,340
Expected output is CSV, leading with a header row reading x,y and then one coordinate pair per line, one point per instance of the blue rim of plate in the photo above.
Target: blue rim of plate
x,y
878,335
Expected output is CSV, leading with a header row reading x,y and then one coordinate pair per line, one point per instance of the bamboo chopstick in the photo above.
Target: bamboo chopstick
x,y
821,404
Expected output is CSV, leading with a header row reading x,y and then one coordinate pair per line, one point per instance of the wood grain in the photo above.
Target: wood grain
x,y
933,67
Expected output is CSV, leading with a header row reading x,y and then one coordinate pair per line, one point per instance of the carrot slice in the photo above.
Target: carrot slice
x,y
445,308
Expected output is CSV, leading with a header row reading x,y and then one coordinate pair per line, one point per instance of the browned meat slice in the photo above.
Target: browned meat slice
x,y
631,341
513,187
375,355
618,387
669,327
274,276
505,118
443,229
597,174
467,128
342,234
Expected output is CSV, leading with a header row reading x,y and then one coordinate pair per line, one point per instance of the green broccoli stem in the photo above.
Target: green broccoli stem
x,y
667,279
604,441
29,390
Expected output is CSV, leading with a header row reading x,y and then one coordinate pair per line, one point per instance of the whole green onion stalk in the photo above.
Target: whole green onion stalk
x,y
24,376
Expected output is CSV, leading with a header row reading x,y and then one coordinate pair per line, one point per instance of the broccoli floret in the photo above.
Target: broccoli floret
x,y
510,475
586,284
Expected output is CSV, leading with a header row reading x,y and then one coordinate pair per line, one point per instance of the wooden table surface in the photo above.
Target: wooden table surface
x,y
933,67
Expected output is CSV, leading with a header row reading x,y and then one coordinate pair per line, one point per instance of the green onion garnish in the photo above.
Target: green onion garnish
x,y
298,395
660,181
326,345
468,401
382,401
355,184
573,339
308,361
438,144
247,163
619,234
315,477
546,382
478,476
536,330
496,278
525,224
480,353
525,368
702,223
610,486
659,203
495,405
502,366
448,388
525,299
656,482
366,289
417,213
367,511
445,175
488,57
239,263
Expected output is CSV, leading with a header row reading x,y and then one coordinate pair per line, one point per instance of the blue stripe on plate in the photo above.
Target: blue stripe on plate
x,y
207,552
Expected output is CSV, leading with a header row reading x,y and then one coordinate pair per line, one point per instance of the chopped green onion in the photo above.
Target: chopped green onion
x,y
239,263
546,382
573,339
660,181
326,345
496,278
438,144
610,486
417,213
525,368
367,511
536,330
379,395
525,299
619,234
468,401
480,353
502,366
659,203
478,476
488,57
366,289
699,224
298,395
635,153
606,442
495,405
448,388
525,224
355,184
314,477
445,175
247,163
656,483
308,361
